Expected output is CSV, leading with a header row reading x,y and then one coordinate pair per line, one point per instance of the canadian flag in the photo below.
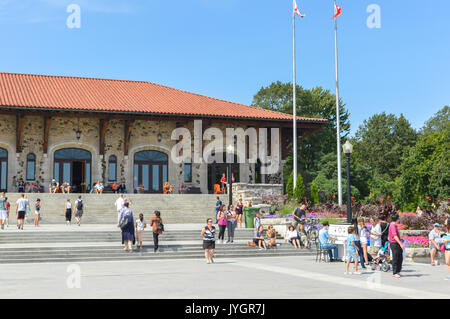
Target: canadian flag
x,y
297,11
337,11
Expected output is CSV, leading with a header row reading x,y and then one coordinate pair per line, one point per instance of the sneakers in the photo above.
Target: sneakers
x,y
347,273
396,276
357,273
208,261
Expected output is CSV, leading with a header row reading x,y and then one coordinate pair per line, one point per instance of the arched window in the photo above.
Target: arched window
x,y
150,170
31,167
112,168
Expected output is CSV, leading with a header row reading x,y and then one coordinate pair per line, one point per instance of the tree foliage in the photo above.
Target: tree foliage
x,y
299,190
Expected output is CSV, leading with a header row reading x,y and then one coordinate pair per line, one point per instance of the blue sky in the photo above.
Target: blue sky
x,y
229,49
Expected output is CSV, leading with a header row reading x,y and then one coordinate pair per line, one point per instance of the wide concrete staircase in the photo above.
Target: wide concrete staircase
x,y
78,245
99,209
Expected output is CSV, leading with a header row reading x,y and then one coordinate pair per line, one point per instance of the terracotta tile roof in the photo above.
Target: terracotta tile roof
x,y
90,94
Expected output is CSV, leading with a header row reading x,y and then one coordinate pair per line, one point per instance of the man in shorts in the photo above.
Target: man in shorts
x,y
53,187
21,208
79,208
435,242
375,238
3,212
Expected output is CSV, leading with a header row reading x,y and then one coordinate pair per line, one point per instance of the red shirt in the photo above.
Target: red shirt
x,y
223,180
393,231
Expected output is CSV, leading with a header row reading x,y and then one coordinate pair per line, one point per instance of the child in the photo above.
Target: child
x,y
352,252
37,212
140,225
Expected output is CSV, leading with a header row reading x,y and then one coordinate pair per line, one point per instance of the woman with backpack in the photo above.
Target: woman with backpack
x,y
158,228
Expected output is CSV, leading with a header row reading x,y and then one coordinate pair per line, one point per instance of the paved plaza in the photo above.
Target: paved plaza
x,y
275,277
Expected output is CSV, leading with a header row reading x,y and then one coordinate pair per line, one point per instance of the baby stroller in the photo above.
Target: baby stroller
x,y
382,260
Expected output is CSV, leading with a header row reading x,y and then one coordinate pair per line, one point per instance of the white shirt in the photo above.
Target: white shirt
x,y
140,224
291,234
21,204
119,203
375,240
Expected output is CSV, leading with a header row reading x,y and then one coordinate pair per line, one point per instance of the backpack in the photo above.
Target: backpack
x,y
80,205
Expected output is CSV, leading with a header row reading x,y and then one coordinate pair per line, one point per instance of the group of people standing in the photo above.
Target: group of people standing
x,y
133,230
228,218
22,211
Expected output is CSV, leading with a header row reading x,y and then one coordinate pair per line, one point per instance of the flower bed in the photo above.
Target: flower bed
x,y
416,242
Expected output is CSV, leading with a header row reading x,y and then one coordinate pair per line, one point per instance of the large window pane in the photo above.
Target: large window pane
x,y
145,177
72,154
150,156
56,172
30,170
66,173
112,171
88,173
164,173
136,176
155,179
3,173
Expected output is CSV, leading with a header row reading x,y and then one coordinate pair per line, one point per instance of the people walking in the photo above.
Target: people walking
x,y
396,247
364,236
158,228
3,213
126,224
375,238
209,240
140,226
222,222
231,223
69,212
21,208
119,205
79,210
37,212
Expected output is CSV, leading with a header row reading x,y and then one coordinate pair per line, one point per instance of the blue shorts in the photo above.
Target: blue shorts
x,y
352,256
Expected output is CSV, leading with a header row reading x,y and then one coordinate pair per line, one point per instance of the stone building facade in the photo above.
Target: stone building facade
x,y
89,130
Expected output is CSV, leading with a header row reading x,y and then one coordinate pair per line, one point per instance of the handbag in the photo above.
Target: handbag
x,y
161,227
124,223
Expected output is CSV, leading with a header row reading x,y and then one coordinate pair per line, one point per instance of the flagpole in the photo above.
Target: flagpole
x,y
338,132
294,102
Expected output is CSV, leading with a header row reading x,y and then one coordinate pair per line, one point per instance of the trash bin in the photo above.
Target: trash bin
x,y
249,215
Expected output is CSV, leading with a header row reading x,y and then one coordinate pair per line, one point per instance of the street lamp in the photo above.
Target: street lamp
x,y
78,132
348,149
230,150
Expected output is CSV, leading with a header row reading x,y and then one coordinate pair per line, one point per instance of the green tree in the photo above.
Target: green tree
x,y
380,143
314,193
299,190
425,169
438,123
290,185
315,102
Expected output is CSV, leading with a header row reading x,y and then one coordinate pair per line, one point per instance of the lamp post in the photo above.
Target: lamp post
x,y
348,149
230,150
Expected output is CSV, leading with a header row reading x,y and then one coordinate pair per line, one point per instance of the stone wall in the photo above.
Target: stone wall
x,y
62,134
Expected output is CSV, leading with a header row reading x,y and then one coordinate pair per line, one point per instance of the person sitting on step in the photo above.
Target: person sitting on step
x,y
98,188
65,188
53,187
